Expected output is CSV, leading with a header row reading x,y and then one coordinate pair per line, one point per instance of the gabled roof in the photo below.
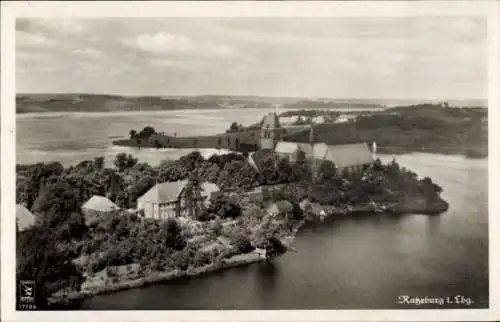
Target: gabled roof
x,y
320,150
24,218
292,147
100,203
349,154
286,147
164,192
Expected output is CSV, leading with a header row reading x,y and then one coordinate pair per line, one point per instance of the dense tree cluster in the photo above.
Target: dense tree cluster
x,y
56,194
143,134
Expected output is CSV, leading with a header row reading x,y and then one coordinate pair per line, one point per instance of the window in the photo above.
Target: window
x,y
219,141
195,141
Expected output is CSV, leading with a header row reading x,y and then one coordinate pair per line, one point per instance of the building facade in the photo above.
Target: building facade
x,y
270,132
170,199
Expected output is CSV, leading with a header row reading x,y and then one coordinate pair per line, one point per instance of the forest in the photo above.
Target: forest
x,y
55,194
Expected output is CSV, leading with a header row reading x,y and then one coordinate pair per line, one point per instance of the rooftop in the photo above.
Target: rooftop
x,y
24,218
164,192
347,155
271,121
100,203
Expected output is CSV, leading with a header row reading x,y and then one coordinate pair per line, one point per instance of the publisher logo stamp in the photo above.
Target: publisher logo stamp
x,y
27,292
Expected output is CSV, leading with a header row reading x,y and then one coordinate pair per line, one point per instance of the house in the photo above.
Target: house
x,y
96,206
320,119
24,218
168,199
293,150
280,208
342,119
261,252
270,131
347,157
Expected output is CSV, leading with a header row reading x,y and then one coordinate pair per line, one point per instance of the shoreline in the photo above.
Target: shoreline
x,y
154,277
208,142
417,207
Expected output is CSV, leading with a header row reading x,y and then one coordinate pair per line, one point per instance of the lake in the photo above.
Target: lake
x,y
353,263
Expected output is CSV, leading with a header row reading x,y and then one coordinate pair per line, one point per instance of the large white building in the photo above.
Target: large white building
x,y
169,199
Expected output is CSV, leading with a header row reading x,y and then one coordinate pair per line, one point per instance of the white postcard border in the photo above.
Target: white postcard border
x,y
10,11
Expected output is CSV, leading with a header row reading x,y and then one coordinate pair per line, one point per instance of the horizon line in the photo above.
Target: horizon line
x,y
250,95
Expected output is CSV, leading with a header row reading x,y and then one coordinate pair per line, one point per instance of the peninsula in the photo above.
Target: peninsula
x,y
99,229
434,128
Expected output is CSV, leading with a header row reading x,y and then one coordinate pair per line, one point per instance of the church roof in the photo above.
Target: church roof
x,y
347,155
292,147
320,150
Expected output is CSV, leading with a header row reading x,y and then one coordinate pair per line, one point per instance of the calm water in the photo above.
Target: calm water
x,y
357,263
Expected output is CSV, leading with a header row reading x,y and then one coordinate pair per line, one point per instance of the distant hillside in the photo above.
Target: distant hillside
x,y
332,104
428,128
27,103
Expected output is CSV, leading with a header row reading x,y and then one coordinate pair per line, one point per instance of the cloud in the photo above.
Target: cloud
x,y
50,26
167,43
25,39
88,53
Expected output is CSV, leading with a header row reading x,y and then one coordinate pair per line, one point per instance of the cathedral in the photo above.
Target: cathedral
x,y
346,157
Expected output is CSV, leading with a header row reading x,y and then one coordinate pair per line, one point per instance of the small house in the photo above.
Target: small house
x,y
261,252
24,218
97,206
280,208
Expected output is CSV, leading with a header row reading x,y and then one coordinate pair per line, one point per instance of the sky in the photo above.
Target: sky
x,y
337,57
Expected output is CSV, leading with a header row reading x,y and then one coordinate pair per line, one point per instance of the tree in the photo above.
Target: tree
x,y
39,260
35,178
173,235
274,247
146,132
99,163
234,127
193,196
124,161
56,204
133,134
327,170
224,208
243,244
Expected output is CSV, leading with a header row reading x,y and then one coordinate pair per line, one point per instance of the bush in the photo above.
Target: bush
x,y
243,245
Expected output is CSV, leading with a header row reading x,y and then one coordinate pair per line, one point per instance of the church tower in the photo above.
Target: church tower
x,y
270,132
